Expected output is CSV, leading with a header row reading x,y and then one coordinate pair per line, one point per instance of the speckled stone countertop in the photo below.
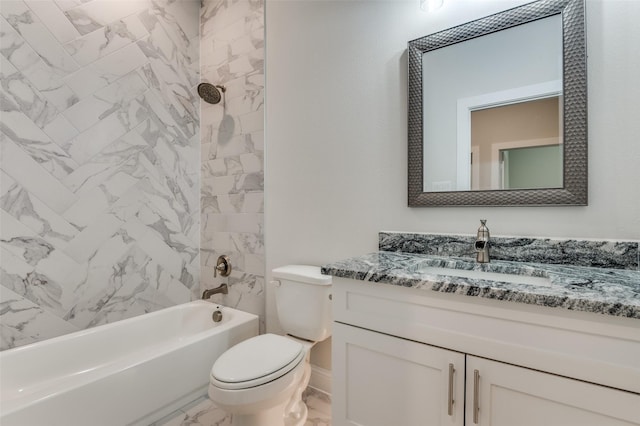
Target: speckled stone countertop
x,y
613,292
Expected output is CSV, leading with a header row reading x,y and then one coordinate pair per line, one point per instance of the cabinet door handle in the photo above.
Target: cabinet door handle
x,y
476,390
450,398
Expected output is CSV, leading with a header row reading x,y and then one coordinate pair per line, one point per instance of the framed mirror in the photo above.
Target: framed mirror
x,y
498,110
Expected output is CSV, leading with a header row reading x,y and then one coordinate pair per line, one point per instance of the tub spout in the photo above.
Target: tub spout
x,y
223,288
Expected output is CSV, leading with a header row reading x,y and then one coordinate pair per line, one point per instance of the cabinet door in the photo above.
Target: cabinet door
x,y
380,380
508,395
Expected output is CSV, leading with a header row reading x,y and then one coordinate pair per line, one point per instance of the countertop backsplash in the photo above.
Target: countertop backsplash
x,y
590,253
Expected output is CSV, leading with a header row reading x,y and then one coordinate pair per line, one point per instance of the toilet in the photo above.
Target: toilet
x,y
260,380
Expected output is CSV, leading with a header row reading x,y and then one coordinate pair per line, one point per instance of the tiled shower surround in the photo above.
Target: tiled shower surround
x,y
232,142
100,183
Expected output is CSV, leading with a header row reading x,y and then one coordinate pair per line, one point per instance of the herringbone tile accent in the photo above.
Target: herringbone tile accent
x,y
100,181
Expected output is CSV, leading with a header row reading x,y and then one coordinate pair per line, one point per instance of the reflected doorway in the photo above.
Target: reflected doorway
x,y
523,152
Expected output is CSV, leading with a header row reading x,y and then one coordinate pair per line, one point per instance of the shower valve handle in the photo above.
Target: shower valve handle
x,y
223,265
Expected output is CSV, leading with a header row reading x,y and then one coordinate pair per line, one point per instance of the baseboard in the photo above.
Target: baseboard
x,y
320,379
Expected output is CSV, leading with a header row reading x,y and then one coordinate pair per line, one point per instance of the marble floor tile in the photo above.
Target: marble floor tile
x,y
203,412
319,405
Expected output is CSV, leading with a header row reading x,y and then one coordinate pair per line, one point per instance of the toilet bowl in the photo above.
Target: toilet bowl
x,y
260,381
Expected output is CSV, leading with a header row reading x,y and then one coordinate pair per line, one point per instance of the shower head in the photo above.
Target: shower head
x,y
210,93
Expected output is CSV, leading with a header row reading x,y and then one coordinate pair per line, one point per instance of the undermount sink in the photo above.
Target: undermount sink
x,y
488,276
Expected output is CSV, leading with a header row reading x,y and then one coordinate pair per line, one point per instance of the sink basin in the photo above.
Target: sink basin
x,y
489,276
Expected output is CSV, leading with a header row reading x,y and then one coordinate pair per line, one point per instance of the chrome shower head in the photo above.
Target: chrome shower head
x,y
210,93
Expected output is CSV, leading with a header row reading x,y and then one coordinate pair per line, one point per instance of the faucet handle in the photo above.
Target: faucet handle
x,y
223,265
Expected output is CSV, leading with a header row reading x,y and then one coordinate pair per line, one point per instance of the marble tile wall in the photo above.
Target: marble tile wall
x,y
232,142
99,179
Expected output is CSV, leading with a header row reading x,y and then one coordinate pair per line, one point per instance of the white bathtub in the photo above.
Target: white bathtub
x,y
133,371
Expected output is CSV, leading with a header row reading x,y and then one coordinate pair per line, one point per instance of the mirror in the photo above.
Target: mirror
x,y
497,110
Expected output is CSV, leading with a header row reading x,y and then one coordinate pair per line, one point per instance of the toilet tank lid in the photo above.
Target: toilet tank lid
x,y
302,273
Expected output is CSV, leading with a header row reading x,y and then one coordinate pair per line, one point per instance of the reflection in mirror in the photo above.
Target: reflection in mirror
x,y
530,167
515,65
517,146
497,110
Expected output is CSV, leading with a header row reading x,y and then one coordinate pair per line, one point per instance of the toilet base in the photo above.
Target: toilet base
x,y
287,411
292,412
300,418
296,409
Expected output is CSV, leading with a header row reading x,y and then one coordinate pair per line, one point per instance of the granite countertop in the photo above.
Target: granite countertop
x,y
613,292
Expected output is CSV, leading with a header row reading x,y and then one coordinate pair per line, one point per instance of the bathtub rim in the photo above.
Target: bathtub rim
x,y
103,370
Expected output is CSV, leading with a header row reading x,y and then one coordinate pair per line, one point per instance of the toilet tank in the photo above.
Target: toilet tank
x,y
303,301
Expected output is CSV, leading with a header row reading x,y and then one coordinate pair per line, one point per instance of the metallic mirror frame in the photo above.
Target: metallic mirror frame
x,y
574,191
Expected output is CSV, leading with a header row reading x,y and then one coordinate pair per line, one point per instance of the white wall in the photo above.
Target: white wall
x,y
336,131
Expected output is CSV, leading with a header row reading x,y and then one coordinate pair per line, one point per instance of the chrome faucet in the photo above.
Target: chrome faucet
x,y
223,288
482,243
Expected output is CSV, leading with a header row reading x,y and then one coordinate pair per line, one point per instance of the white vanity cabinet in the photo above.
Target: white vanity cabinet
x,y
380,380
507,395
403,357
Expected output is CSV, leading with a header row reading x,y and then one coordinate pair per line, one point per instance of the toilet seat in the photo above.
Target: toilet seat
x,y
256,361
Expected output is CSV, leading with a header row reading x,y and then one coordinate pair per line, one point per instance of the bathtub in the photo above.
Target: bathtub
x,y
134,371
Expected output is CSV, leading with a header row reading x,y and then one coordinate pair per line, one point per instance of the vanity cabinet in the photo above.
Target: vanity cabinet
x,y
384,380
508,395
402,358
380,380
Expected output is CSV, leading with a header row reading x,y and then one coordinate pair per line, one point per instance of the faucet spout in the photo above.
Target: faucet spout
x,y
223,288
481,245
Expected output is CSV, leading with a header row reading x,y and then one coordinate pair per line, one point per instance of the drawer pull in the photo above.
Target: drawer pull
x,y
476,390
450,399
